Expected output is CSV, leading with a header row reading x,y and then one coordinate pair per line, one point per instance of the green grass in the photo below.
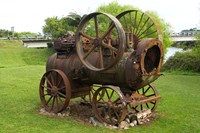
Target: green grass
x,y
13,54
178,110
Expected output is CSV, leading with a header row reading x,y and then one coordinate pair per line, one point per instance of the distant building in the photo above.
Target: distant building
x,y
190,32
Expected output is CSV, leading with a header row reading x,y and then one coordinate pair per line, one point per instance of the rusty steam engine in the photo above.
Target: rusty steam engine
x,y
121,55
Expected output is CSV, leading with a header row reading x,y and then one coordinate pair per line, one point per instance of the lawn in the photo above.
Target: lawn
x,y
20,73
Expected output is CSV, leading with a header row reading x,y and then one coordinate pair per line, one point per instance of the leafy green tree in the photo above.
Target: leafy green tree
x,y
74,19
58,27
165,29
5,33
197,43
197,35
198,38
114,8
54,27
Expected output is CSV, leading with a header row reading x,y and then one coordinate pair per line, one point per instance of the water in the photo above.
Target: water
x,y
171,51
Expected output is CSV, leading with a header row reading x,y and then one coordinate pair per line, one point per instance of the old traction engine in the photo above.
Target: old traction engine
x,y
121,55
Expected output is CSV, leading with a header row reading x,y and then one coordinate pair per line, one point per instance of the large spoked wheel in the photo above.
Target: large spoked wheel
x,y
100,41
109,105
55,91
138,25
148,91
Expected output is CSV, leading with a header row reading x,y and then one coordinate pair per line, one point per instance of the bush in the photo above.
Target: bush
x,y
187,61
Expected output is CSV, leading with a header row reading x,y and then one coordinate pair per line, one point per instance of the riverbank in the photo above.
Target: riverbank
x,y
188,61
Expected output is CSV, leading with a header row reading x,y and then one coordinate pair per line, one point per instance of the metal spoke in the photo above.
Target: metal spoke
x,y
101,62
101,97
148,34
108,31
48,81
53,103
146,29
139,23
90,97
109,46
141,106
151,95
60,99
147,105
57,79
89,52
62,88
146,90
125,23
131,30
114,110
56,102
49,100
143,26
133,108
136,107
45,95
107,95
62,94
52,79
134,27
86,36
46,87
143,90
109,113
112,94
60,81
96,26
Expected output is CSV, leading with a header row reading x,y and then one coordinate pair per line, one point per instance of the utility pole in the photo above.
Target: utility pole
x,y
12,30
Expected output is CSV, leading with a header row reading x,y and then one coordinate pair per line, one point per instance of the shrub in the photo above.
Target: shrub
x,y
187,61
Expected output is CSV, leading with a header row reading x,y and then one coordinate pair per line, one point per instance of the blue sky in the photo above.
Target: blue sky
x,y
29,15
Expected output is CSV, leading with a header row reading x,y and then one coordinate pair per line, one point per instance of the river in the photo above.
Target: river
x,y
171,51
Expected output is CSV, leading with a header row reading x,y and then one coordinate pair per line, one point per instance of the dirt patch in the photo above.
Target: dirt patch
x,y
82,112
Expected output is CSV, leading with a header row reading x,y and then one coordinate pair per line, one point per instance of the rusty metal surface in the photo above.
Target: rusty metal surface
x,y
146,62
109,105
55,91
101,42
128,54
138,25
146,97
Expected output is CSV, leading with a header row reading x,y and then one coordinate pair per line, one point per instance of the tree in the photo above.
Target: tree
x,y
165,29
197,35
54,27
198,38
74,19
114,8
5,33
57,27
